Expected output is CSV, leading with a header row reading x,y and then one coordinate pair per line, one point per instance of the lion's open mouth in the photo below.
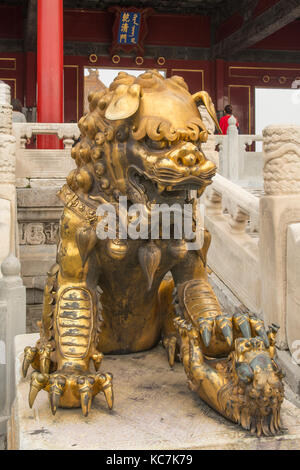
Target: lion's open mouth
x,y
167,182
173,179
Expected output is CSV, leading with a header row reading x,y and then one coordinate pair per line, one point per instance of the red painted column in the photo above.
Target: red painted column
x,y
50,67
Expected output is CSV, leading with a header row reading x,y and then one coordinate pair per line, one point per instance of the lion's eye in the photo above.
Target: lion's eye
x,y
157,144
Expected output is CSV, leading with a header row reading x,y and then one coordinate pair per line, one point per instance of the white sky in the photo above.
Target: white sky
x,y
276,106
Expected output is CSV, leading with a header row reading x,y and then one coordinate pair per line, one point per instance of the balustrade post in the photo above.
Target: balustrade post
x,y
7,173
279,207
232,165
68,144
222,157
13,322
213,202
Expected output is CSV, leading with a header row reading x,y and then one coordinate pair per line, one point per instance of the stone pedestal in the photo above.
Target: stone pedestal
x,y
153,410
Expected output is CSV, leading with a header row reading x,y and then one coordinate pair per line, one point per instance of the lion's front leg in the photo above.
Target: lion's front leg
x,y
70,320
230,360
246,387
197,303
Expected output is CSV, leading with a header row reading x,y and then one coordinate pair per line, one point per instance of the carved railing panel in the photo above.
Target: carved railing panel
x,y
241,205
35,163
232,217
236,162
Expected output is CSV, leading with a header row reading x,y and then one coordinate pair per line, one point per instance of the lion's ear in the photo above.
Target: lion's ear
x,y
204,98
124,103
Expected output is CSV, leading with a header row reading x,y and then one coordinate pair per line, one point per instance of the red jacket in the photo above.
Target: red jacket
x,y
224,123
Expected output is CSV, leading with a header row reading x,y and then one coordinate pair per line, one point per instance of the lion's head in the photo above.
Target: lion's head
x,y
142,138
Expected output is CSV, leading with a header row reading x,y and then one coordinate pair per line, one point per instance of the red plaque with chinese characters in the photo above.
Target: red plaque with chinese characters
x,y
129,29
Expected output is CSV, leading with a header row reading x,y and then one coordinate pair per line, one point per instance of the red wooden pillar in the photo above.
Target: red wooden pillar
x,y
50,67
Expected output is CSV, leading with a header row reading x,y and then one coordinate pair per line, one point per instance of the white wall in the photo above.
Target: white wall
x,y
275,106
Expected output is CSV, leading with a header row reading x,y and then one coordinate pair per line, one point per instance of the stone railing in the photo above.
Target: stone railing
x,y
39,174
255,247
12,323
12,291
32,164
279,219
237,163
232,217
8,205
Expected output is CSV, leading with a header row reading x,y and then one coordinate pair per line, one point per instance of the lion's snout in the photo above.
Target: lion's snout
x,y
189,156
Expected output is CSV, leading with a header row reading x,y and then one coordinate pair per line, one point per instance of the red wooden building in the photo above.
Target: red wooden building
x,y
226,47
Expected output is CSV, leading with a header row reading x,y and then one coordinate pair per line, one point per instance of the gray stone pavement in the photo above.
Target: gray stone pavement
x,y
153,410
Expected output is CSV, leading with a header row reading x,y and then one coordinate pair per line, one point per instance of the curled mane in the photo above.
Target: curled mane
x,y
96,128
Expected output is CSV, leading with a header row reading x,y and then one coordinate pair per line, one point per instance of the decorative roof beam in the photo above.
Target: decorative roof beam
x,y
227,8
255,30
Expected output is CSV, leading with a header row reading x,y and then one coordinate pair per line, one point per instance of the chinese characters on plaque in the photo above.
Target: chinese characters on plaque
x,y
129,27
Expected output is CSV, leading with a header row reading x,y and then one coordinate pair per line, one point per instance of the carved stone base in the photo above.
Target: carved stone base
x,y
39,211
153,410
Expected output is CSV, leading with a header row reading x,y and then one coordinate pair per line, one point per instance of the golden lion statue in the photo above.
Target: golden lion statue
x,y
141,141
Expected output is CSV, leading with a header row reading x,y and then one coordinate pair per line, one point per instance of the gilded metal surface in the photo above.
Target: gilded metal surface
x,y
142,139
245,387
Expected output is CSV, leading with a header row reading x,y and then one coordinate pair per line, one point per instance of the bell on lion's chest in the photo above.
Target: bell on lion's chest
x,y
117,249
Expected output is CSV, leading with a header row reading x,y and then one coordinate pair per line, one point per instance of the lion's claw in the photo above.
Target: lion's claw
x,y
206,328
224,324
85,387
38,381
229,327
171,345
39,358
258,329
241,322
107,389
57,384
68,389
29,356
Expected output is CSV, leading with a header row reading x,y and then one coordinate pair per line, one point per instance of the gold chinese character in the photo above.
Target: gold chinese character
x,y
123,37
125,17
124,27
134,20
132,30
